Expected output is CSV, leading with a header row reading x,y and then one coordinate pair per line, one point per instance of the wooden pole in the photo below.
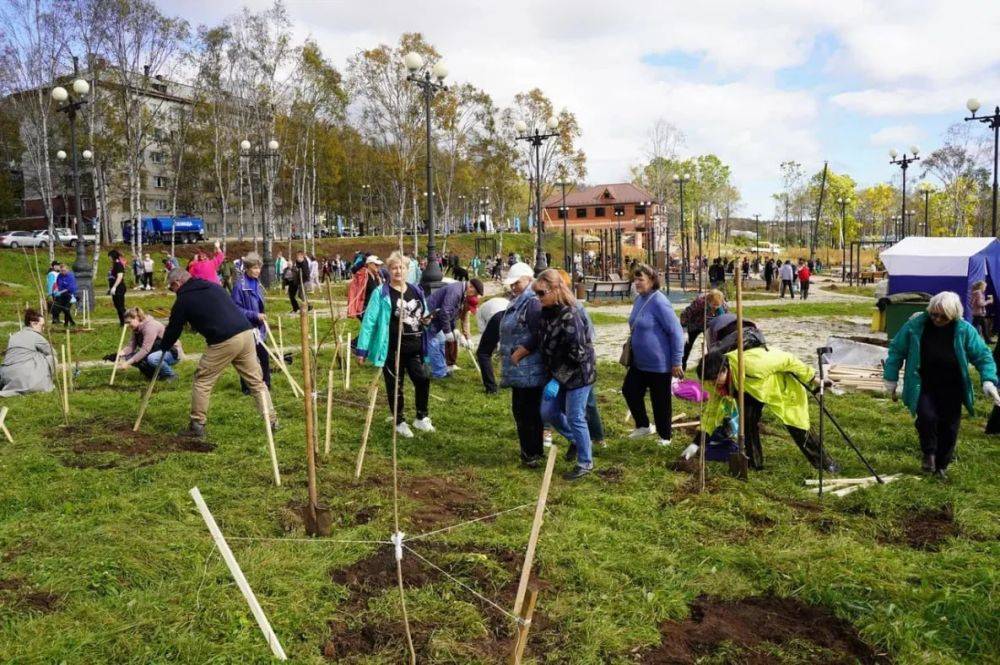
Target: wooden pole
x,y
281,340
372,396
271,450
149,392
118,354
315,338
69,358
701,412
65,386
307,386
347,363
523,627
738,462
329,408
241,580
3,424
536,527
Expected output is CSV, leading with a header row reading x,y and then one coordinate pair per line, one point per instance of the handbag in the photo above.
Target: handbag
x,y
625,359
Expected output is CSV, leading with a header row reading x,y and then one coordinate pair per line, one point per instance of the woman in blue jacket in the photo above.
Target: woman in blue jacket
x,y
936,381
248,295
379,340
657,350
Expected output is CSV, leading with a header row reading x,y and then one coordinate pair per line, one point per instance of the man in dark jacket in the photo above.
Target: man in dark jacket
x,y
448,304
229,337
300,275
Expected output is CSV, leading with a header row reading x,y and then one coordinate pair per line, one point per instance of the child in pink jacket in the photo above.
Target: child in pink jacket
x,y
206,268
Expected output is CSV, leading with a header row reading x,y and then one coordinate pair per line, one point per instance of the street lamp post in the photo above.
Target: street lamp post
x,y
264,157
430,82
680,179
70,104
536,139
618,245
564,212
926,188
844,202
366,191
994,123
904,163
756,220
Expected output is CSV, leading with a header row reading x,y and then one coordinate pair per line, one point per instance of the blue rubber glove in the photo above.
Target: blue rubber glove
x,y
551,390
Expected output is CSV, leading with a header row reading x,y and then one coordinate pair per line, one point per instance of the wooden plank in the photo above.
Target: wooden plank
x,y
536,527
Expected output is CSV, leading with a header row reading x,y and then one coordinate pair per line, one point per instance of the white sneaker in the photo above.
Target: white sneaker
x,y
404,430
640,432
690,451
453,368
546,438
665,442
424,424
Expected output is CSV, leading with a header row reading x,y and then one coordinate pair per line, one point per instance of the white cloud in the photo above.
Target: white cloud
x,y
900,137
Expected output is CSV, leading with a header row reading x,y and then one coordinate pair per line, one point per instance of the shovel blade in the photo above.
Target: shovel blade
x,y
738,466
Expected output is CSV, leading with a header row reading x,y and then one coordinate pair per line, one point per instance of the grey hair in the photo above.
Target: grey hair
x,y
179,275
947,303
252,260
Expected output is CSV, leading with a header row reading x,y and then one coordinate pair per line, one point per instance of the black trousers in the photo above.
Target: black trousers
x,y
526,406
265,369
293,292
804,290
147,279
488,343
118,299
637,383
689,344
787,284
937,422
806,442
62,304
412,365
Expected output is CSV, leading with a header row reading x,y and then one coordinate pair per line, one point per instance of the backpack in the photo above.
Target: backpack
x,y
356,294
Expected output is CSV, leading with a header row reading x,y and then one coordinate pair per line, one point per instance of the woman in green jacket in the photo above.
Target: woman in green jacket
x,y
379,339
936,381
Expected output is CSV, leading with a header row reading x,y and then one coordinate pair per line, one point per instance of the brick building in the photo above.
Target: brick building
x,y
605,207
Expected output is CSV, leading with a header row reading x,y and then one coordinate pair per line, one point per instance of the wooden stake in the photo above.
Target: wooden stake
x,y
65,381
347,363
372,396
69,358
280,361
241,580
307,385
281,340
329,408
523,627
315,338
118,354
271,450
3,425
536,527
474,361
149,393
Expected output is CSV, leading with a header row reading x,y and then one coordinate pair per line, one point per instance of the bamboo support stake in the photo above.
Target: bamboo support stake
x,y
296,388
65,381
271,450
241,580
372,396
149,393
281,340
118,354
69,359
523,627
329,409
315,338
474,361
3,424
347,363
536,527
308,402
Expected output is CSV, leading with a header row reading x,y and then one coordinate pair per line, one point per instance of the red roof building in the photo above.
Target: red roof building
x,y
604,207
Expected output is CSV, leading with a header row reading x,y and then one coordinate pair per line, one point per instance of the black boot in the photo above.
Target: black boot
x,y
928,465
810,448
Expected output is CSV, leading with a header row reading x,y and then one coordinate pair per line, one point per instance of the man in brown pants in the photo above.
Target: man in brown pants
x,y
231,341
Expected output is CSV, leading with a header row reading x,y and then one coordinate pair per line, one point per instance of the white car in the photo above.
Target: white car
x,y
15,239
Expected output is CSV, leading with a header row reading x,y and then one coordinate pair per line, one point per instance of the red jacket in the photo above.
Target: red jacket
x,y
804,274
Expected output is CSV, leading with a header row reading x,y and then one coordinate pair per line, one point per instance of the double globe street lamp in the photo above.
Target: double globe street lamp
x,y
680,180
904,163
70,104
536,138
844,202
264,157
993,121
430,82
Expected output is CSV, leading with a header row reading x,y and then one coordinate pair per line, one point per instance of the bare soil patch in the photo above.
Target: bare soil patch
x,y
442,501
928,529
749,629
18,595
107,444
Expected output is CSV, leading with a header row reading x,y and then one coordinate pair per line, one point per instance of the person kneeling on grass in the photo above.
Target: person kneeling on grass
x,y
230,338
379,339
144,349
28,362
773,380
937,347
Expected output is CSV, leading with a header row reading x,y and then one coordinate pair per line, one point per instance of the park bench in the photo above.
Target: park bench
x,y
609,290
871,276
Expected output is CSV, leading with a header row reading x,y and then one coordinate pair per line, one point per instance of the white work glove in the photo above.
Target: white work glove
x,y
990,390
465,341
449,337
890,388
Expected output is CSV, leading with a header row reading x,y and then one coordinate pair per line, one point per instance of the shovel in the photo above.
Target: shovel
x,y
738,462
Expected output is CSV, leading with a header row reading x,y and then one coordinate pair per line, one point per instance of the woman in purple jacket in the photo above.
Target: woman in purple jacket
x,y
248,294
657,348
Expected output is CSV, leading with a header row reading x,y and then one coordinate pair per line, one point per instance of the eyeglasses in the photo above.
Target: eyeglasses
x,y
540,294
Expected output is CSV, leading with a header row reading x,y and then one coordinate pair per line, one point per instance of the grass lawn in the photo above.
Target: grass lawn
x,y
104,559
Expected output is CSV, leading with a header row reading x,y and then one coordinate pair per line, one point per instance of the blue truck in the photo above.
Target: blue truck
x,y
159,229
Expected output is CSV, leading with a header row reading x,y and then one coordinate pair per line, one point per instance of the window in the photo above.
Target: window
x,y
598,212
581,213
209,205
159,205
160,182
640,209
158,157
562,213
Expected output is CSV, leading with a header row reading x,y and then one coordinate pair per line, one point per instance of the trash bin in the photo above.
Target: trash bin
x,y
897,314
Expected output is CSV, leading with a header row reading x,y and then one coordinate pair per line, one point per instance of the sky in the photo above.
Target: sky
x,y
756,83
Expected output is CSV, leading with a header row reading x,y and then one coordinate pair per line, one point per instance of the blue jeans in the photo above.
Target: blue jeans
x,y
435,353
568,414
594,423
168,362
